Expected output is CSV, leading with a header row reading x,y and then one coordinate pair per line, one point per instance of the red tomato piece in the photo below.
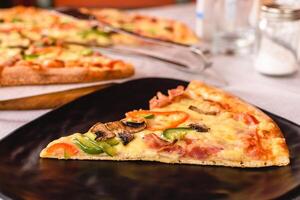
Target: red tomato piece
x,y
62,149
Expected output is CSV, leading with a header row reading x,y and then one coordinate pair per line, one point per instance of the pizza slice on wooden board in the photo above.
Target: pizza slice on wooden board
x,y
198,125
49,61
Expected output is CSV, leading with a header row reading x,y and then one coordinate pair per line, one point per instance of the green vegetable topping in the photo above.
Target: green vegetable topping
x,y
91,135
14,20
128,27
152,31
112,141
66,155
30,56
109,150
86,145
84,34
86,52
173,134
150,116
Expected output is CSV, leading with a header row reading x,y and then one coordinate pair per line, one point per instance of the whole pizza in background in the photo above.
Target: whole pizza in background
x,y
43,47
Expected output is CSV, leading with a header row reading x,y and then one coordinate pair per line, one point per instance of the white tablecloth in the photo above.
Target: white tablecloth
x,y
279,95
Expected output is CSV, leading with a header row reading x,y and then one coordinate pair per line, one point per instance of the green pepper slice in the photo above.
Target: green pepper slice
x,y
109,150
84,34
90,135
30,57
86,145
106,145
112,141
86,52
150,116
14,20
173,134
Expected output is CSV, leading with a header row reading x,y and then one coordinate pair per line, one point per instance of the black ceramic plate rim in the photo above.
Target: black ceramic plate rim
x,y
290,194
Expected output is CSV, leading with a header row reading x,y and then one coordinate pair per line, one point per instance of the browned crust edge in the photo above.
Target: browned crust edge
x,y
246,164
23,75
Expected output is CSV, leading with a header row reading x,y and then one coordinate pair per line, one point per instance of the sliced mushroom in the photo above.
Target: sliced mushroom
x,y
124,129
115,127
199,127
102,133
125,137
200,111
133,126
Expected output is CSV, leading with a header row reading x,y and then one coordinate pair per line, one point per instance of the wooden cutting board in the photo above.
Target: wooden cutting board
x,y
50,100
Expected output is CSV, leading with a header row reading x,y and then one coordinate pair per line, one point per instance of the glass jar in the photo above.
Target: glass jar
x,y
278,41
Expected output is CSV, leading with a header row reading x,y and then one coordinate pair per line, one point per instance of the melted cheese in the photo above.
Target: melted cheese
x,y
224,134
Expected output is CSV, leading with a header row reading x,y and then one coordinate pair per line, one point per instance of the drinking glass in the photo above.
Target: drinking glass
x,y
234,25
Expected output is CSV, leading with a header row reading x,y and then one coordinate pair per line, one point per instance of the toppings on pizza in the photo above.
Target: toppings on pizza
x,y
53,46
202,153
161,100
160,120
184,149
135,125
35,23
246,118
164,29
87,145
51,61
174,134
155,142
124,129
62,149
125,137
201,125
102,132
202,111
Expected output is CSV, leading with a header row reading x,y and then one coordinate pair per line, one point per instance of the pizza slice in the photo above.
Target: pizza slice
x,y
36,23
23,23
154,27
50,61
198,125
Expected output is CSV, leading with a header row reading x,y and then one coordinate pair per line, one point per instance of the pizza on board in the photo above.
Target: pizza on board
x,y
65,56
49,61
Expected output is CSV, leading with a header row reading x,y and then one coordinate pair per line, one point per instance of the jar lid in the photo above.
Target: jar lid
x,y
280,12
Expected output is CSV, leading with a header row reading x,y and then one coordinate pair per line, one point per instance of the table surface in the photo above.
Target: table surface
x,y
279,95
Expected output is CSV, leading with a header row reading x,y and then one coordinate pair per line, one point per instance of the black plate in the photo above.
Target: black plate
x,y
23,175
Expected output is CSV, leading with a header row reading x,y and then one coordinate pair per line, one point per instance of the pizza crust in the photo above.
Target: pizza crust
x,y
283,161
24,75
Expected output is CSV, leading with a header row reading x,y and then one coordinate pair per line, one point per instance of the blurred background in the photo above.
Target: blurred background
x,y
94,3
